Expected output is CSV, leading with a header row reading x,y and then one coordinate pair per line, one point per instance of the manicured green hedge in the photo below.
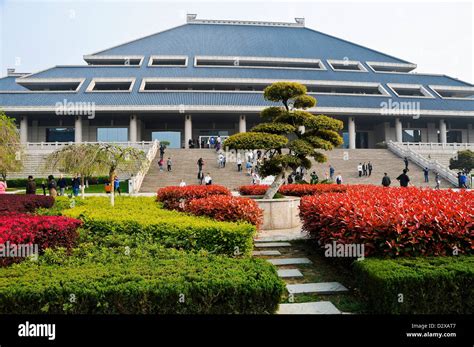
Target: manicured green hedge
x,y
134,220
142,282
21,182
431,285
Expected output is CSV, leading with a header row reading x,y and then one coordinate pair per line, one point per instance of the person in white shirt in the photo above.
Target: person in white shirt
x,y
359,169
339,179
208,179
182,183
239,164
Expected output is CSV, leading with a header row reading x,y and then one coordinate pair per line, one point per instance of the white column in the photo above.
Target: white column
x,y
242,124
78,129
352,133
24,129
470,134
133,128
188,130
442,131
398,130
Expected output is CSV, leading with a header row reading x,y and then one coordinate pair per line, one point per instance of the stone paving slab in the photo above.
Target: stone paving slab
x,y
318,288
272,244
319,307
289,273
256,253
289,261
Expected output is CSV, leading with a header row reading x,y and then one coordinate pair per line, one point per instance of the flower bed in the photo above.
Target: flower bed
x,y
226,208
174,198
294,189
393,221
19,230
12,203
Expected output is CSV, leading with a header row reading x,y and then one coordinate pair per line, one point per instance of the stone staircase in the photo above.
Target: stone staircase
x,y
185,168
343,160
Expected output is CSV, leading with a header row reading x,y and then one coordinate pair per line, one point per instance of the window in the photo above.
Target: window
x,y
391,67
114,60
346,65
51,85
259,62
59,134
168,61
410,90
347,88
112,134
111,85
411,135
454,92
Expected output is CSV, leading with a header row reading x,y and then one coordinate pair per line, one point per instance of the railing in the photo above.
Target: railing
x,y
150,156
52,146
406,151
433,146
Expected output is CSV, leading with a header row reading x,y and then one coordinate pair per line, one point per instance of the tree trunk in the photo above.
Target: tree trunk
x,y
277,183
112,190
82,186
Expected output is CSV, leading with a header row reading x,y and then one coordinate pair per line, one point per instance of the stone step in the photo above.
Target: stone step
x,y
272,244
289,273
257,253
317,288
318,307
290,261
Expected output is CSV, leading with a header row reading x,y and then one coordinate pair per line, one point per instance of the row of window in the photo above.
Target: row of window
x,y
249,62
240,85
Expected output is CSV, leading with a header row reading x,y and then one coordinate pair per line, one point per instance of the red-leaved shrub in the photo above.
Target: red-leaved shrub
x,y
226,208
175,198
12,203
393,221
294,189
42,231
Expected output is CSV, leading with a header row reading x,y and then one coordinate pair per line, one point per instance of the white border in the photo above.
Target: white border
x,y
25,81
452,88
421,88
90,88
153,57
394,65
260,59
348,62
113,57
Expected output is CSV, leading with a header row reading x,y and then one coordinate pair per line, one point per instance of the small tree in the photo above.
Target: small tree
x,y
464,161
11,150
75,159
301,132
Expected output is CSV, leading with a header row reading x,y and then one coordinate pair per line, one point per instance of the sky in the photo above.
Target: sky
x,y
436,35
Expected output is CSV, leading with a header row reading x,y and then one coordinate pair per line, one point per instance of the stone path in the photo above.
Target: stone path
x,y
323,288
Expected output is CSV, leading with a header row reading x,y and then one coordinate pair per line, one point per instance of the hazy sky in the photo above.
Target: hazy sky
x,y
437,35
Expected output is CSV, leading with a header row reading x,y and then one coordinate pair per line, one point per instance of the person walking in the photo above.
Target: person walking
x,y
463,181
162,151
405,160
76,183
182,183
117,185
370,167
62,184
160,164
426,174
339,178
208,179
331,172
359,169
168,164
404,179
239,164
30,186
437,180
3,186
314,178
52,186
43,186
200,164
364,169
200,177
386,181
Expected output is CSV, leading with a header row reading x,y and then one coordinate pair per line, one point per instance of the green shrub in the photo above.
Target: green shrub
x,y
134,220
21,182
431,285
154,281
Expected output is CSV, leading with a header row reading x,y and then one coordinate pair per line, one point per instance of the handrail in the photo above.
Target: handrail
x,y
423,162
150,156
436,145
